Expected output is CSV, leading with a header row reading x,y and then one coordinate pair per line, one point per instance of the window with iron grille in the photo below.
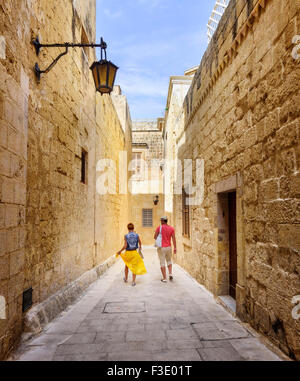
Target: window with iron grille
x,y
185,214
147,218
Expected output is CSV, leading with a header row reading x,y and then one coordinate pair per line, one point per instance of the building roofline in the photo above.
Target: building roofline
x,y
173,79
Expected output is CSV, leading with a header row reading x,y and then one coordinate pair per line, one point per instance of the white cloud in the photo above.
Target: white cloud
x,y
112,15
147,108
138,84
150,3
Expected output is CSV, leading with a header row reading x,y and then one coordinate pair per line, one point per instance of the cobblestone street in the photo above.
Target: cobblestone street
x,y
177,321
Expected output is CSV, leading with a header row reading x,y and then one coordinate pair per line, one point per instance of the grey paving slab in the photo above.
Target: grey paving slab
x,y
48,339
63,327
82,357
179,323
121,307
184,344
159,326
216,344
114,321
111,337
69,349
137,326
145,335
81,338
220,354
220,330
132,346
130,356
177,355
253,350
181,334
154,346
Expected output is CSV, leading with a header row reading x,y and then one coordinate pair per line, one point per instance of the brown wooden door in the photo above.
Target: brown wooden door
x,y
232,244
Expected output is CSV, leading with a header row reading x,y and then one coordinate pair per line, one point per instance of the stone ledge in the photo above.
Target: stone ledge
x,y
43,313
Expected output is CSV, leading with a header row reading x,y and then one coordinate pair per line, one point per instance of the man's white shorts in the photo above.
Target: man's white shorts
x,y
165,255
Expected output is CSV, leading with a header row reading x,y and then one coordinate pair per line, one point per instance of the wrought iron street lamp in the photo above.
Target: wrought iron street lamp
x,y
104,72
156,200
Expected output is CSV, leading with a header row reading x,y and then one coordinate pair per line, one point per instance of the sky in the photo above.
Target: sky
x,y
151,40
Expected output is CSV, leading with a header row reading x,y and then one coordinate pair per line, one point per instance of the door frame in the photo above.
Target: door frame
x,y
222,188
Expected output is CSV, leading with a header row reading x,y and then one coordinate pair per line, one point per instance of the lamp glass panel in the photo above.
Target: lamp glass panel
x,y
95,75
112,75
103,74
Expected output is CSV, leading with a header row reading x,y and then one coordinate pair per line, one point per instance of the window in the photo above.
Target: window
x,y
147,218
137,164
85,40
84,166
185,214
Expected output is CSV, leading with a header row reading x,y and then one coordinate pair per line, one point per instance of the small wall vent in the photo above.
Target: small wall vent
x,y
27,299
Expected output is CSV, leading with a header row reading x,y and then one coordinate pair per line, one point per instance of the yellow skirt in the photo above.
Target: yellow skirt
x,y
134,262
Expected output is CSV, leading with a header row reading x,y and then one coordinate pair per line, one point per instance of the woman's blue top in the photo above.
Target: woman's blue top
x,y
132,240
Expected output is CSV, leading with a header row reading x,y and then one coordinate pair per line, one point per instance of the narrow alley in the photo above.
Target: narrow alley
x,y
148,113
177,321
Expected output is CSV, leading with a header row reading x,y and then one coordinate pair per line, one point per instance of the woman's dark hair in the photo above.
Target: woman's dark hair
x,y
130,226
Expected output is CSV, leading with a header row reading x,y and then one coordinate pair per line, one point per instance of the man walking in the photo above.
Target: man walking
x,y
165,251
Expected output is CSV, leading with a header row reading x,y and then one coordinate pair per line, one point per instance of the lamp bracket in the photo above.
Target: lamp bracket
x,y
66,45
38,71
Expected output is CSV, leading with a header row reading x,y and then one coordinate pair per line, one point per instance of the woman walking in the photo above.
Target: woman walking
x,y
132,258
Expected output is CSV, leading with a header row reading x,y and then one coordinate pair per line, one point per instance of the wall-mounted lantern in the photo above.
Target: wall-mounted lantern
x,y
104,72
156,200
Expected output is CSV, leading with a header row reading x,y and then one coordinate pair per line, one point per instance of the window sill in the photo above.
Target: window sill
x,y
187,241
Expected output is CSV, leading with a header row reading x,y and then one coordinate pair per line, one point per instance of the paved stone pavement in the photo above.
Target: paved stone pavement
x,y
177,321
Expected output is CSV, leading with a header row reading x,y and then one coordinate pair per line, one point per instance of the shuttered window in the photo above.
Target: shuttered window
x,y
137,164
185,214
147,218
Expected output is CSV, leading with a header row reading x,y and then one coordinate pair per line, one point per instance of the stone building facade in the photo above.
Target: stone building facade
x,y
147,177
173,126
241,119
54,225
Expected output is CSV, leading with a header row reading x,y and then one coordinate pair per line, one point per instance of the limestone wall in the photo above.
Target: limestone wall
x,y
53,227
242,117
14,99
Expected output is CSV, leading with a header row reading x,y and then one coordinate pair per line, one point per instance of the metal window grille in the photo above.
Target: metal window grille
x,y
147,218
185,214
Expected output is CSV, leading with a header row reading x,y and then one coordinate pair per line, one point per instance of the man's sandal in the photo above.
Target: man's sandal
x,y
171,277
125,280
164,280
